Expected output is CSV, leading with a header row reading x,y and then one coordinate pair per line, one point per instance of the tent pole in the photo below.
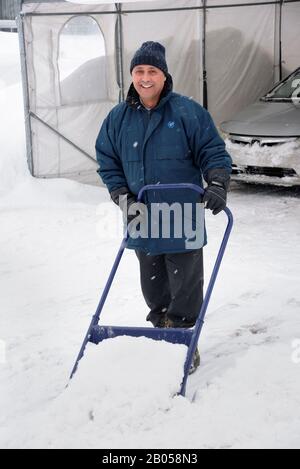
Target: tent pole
x,y
204,72
119,51
32,114
280,40
25,85
152,10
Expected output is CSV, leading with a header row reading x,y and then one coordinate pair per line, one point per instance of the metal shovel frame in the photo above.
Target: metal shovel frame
x,y
188,337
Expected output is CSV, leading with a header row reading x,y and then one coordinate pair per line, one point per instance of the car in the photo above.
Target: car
x,y
264,138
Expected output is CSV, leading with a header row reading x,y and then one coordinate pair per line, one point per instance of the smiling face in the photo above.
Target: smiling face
x,y
148,82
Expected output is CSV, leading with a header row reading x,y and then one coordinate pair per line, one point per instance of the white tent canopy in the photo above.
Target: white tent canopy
x,y
76,56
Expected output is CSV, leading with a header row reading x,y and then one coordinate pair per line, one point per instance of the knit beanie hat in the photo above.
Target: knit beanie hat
x,y
150,53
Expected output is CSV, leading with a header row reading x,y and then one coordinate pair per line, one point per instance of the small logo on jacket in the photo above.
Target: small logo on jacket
x,y
171,124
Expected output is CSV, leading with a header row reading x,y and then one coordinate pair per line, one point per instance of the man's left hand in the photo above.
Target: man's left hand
x,y
214,198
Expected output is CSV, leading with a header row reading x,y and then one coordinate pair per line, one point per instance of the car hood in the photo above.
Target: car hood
x,y
272,119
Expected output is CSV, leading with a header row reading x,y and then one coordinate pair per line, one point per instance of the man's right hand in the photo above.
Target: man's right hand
x,y
125,199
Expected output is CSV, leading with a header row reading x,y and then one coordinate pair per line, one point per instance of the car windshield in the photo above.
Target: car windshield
x,y
286,90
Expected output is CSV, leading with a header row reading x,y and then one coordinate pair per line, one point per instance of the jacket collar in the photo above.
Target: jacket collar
x,y
133,98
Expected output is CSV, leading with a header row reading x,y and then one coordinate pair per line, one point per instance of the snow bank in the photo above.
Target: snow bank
x,y
118,386
13,166
10,69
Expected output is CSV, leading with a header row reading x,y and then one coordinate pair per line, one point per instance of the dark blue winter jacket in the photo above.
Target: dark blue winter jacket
x,y
175,142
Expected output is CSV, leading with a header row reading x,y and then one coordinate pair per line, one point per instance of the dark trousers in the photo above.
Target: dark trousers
x,y
172,285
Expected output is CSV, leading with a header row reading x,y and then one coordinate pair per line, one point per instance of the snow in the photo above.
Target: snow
x,y
56,255
257,155
77,50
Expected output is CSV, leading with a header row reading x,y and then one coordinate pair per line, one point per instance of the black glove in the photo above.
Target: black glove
x,y
120,196
215,195
214,198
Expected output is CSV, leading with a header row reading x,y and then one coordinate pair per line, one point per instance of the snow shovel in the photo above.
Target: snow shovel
x,y
188,337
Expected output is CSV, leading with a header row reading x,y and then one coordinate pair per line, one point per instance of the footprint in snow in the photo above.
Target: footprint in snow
x,y
253,328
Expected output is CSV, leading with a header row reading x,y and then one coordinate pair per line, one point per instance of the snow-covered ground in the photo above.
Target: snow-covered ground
x,y
55,258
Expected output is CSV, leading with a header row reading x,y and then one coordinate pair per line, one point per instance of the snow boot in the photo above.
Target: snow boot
x,y
195,362
161,322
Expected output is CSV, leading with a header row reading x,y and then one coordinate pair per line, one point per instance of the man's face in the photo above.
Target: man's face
x,y
148,82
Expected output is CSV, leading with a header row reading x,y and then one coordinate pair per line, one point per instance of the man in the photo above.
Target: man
x,y
157,137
